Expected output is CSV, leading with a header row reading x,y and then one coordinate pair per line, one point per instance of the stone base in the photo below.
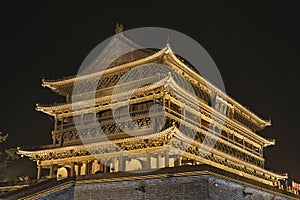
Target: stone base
x,y
191,182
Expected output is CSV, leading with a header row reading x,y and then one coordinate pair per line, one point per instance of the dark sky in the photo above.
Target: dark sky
x,y
255,47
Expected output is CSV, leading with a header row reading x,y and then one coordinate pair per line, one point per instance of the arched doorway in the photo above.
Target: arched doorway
x,y
133,164
63,172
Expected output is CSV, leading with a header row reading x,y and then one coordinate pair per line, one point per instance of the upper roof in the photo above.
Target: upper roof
x,y
113,54
117,62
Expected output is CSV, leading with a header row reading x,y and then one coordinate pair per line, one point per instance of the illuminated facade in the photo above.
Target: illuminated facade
x,y
238,148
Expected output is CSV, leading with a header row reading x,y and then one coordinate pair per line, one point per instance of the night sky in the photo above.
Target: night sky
x,y
255,47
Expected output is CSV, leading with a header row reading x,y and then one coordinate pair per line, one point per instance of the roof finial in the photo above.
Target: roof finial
x,y
119,28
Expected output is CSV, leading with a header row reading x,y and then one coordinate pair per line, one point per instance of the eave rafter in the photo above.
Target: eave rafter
x,y
169,56
165,135
166,82
54,85
160,140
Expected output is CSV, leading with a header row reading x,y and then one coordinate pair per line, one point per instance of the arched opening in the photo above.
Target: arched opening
x,y
63,172
133,164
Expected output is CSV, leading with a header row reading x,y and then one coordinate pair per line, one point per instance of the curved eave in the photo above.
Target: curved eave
x,y
46,109
51,109
54,87
172,83
55,84
171,132
167,51
167,81
269,142
33,153
179,135
173,58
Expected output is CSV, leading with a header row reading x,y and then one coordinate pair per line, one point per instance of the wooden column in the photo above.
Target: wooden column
x,y
39,171
60,140
55,123
113,164
166,158
194,162
95,166
53,139
72,170
148,165
105,166
157,161
79,169
62,124
121,164
55,129
51,172
85,165
177,161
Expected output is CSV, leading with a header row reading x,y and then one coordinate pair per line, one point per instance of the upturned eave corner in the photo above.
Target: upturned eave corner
x,y
270,142
47,84
38,107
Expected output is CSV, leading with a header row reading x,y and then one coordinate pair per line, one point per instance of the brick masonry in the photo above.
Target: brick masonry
x,y
202,182
204,187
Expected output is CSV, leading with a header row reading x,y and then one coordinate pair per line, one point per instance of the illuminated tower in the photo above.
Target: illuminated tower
x,y
157,143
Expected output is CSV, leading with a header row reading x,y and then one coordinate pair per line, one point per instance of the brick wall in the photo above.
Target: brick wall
x,y
186,182
200,187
